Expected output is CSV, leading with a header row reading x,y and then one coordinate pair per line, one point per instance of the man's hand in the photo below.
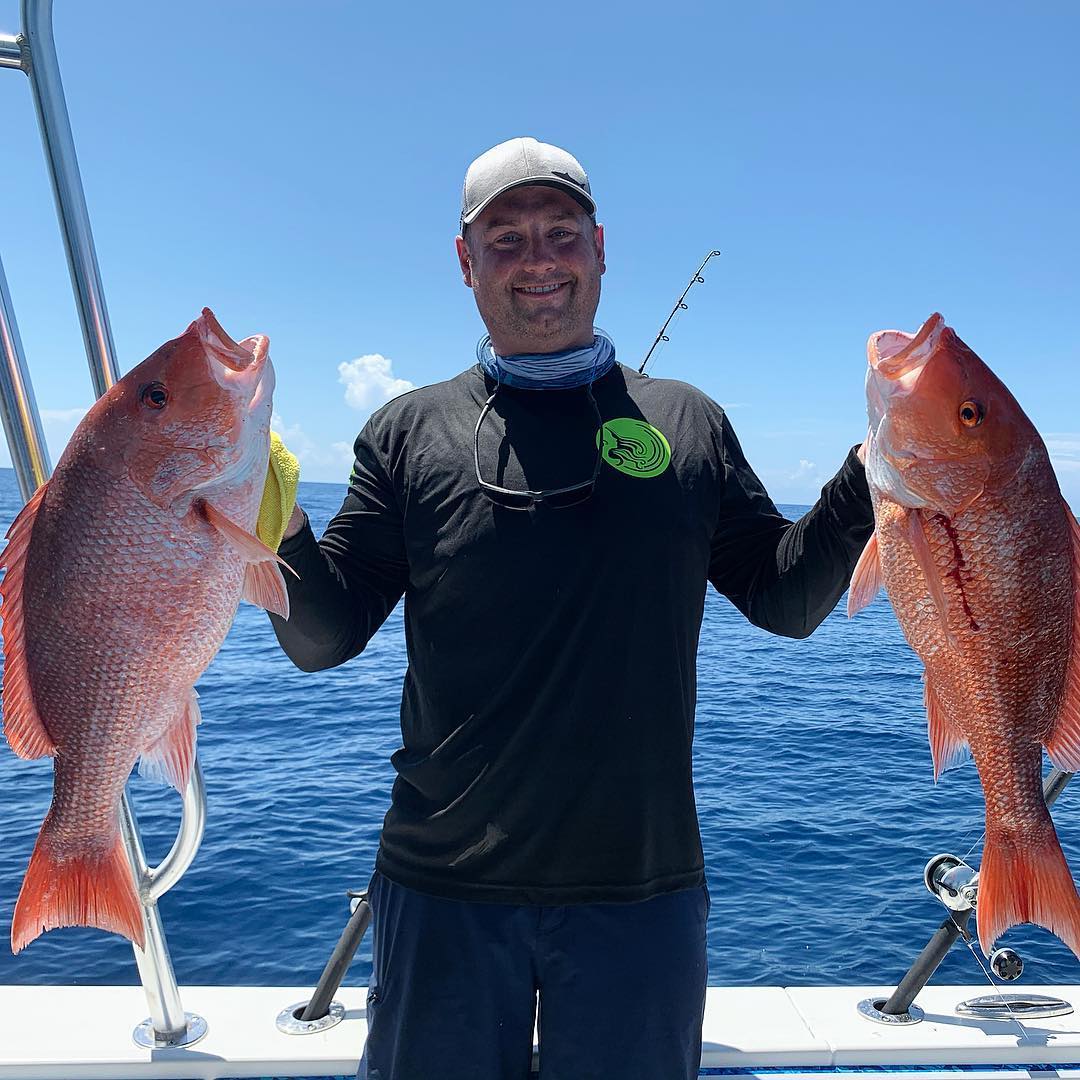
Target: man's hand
x,y
296,523
279,510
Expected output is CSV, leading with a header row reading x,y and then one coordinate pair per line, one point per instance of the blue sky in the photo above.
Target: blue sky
x,y
297,167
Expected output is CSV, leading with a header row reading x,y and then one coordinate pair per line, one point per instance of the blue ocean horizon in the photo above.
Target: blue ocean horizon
x,y
812,772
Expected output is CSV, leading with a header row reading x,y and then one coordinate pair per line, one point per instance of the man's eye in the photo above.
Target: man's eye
x,y
561,234
507,239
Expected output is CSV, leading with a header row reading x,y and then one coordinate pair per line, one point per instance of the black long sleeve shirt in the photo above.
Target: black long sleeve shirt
x,y
547,714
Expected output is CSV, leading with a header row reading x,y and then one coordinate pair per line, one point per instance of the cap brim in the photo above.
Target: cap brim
x,y
579,195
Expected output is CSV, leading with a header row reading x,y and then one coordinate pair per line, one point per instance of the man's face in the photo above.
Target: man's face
x,y
533,259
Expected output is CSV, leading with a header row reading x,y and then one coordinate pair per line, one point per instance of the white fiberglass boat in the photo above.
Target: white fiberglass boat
x,y
71,1033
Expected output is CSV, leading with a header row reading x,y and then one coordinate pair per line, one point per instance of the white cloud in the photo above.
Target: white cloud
x,y
335,460
807,470
343,451
369,381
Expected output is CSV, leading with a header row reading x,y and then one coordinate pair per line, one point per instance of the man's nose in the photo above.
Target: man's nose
x,y
539,254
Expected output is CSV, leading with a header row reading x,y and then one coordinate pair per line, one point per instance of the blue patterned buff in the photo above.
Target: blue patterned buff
x,y
549,371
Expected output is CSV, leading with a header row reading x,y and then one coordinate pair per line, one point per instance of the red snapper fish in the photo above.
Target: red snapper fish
x,y
980,556
123,574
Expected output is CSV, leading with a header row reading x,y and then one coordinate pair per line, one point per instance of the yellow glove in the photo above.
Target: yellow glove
x,y
279,494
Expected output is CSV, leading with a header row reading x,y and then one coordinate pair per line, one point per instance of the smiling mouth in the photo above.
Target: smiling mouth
x,y
541,290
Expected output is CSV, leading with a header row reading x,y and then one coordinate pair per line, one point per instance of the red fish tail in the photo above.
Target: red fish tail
x,y
1024,878
91,887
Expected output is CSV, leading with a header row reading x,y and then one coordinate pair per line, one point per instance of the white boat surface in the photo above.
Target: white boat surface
x,y
86,1033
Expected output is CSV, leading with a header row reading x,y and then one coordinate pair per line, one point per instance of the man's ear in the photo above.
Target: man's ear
x,y
600,247
465,259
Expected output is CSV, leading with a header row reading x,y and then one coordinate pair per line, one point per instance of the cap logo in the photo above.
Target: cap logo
x,y
566,176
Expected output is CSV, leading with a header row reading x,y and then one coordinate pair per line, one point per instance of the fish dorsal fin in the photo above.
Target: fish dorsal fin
x,y
263,581
948,746
23,726
866,580
1064,744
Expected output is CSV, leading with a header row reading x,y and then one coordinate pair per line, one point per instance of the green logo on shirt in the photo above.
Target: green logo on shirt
x,y
634,447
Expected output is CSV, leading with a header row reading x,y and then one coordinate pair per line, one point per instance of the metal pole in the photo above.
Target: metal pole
x,y
1054,784
11,54
338,964
170,870
162,995
926,963
48,94
18,409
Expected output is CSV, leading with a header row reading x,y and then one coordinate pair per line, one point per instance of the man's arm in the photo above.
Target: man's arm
x,y
786,577
350,580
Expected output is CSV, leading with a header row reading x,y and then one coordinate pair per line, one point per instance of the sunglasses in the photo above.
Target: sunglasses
x,y
554,498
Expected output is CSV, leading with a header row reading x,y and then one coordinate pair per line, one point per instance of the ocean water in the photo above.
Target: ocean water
x,y
814,785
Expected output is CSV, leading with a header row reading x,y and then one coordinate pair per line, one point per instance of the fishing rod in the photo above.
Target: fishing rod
x,y
680,305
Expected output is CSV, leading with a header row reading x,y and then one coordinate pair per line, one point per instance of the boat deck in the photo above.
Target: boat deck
x,y
85,1033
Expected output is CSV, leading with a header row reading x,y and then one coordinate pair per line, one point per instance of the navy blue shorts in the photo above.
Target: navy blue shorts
x,y
455,985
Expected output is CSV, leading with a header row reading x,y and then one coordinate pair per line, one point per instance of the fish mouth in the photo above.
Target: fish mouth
x,y
239,367
900,357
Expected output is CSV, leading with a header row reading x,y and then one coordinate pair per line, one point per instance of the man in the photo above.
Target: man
x,y
552,519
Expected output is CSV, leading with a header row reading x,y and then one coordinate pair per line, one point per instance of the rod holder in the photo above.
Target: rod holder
x,y
322,1012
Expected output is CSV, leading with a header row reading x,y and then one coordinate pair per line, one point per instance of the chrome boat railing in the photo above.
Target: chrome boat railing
x,y
34,53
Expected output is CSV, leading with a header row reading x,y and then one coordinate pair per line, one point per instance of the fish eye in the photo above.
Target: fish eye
x,y
972,414
154,396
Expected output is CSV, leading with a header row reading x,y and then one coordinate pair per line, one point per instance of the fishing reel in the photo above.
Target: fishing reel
x,y
956,885
952,881
1006,964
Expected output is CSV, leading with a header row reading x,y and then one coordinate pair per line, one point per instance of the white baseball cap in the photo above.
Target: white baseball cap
x,y
517,163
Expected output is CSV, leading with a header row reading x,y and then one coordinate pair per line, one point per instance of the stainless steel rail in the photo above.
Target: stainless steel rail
x,y
11,54
48,94
18,409
34,52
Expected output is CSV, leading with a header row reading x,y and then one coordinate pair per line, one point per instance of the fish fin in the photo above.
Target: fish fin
x,y
1064,744
263,581
866,581
948,746
23,726
920,548
169,759
264,586
86,888
249,546
1024,881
